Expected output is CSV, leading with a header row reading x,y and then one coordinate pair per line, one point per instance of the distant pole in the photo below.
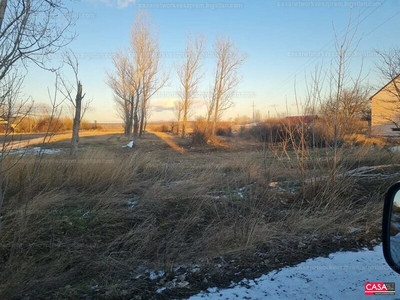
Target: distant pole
x,y
276,111
287,108
253,111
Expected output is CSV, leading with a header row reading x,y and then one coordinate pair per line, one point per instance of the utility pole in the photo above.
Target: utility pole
x,y
287,108
274,106
253,111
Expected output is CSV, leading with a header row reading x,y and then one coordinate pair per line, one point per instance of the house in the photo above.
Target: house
x,y
385,110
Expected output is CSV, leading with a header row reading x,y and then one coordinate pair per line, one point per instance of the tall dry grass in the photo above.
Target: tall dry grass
x,y
106,216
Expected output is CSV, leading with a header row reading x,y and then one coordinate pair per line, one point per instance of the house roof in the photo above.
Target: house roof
x,y
384,87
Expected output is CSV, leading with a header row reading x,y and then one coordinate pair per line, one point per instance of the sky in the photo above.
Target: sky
x,y
284,42
341,275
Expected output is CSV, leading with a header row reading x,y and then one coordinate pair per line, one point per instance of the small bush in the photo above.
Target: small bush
x,y
200,135
293,134
86,125
224,131
161,128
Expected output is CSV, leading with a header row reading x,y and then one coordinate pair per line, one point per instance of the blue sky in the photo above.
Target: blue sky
x,y
284,40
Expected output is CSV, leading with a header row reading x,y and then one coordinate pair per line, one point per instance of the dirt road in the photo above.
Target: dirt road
x,y
18,141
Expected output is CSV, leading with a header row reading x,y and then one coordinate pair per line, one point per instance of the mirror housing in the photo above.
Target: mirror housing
x,y
391,227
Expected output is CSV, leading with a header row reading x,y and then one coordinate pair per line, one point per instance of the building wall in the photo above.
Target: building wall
x,y
385,107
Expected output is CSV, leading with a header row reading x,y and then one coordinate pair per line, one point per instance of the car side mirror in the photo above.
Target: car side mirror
x,y
391,227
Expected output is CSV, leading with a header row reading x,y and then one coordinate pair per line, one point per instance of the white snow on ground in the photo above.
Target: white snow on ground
x,y
340,276
31,151
395,149
36,150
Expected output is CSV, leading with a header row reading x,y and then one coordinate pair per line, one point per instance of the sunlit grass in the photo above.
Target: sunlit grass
x,y
102,214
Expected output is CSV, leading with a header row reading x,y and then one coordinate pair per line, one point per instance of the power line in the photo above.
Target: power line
x,y
328,45
381,24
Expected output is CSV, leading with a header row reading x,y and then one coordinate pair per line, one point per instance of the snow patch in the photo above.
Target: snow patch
x,y
153,275
340,276
195,269
132,203
395,149
354,230
160,290
35,151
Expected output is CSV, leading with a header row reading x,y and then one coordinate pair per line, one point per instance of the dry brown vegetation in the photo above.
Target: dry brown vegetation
x,y
45,123
94,226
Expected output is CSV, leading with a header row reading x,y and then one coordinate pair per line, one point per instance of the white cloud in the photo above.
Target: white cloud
x,y
125,3
119,3
166,104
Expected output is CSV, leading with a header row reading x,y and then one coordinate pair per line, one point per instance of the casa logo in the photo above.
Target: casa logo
x,y
379,288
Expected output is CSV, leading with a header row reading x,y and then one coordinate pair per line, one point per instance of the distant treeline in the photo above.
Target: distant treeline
x,y
44,124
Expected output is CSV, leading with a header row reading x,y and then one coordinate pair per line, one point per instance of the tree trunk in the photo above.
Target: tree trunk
x,y
1,190
143,109
136,117
185,117
131,116
135,125
3,5
142,117
145,124
215,119
77,120
128,119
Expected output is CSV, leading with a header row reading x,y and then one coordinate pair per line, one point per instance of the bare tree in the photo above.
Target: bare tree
x,y
123,85
226,79
351,106
137,78
10,104
145,47
30,31
338,94
388,108
190,76
147,116
178,111
73,93
347,94
123,113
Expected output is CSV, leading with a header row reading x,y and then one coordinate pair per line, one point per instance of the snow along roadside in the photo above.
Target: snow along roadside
x,y
340,276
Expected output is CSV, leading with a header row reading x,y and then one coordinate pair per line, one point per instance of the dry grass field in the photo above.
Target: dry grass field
x,y
166,218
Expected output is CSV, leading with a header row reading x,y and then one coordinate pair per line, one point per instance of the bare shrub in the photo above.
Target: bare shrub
x,y
161,128
201,132
291,134
200,137
224,130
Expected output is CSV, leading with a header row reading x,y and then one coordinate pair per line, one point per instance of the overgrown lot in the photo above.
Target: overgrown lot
x,y
154,223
